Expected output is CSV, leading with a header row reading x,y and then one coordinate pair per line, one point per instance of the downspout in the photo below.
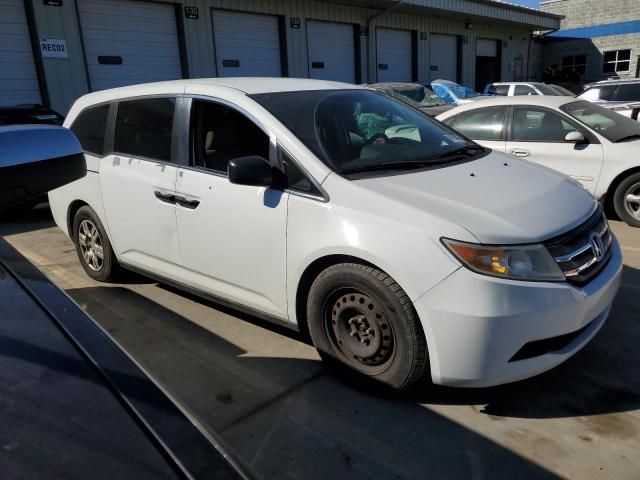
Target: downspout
x,y
369,41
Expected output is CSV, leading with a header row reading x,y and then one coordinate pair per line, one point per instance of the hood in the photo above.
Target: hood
x,y
437,110
501,204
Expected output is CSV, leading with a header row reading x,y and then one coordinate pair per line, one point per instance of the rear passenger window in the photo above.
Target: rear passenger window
x,y
482,124
143,128
628,93
297,180
89,127
524,90
502,90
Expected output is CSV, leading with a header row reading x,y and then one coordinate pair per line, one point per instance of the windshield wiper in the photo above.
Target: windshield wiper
x,y
466,150
629,137
403,165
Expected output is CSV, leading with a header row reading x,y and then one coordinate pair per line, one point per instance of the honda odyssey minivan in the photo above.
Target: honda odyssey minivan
x,y
406,250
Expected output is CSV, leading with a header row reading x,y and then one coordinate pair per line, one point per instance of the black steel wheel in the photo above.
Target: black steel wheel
x,y
360,317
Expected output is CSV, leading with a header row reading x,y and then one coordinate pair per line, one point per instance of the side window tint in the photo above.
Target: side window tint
x,y
537,125
502,90
220,134
483,124
628,93
89,127
524,90
143,128
297,180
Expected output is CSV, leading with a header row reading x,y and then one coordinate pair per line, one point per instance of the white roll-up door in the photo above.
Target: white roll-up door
x,y
331,51
128,42
486,48
246,44
18,77
394,52
443,57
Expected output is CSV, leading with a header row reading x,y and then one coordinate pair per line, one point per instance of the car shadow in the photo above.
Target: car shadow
x,y
280,411
38,218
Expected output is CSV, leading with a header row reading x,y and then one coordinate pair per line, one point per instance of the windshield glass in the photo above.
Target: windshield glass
x,y
611,125
562,90
547,89
419,96
359,130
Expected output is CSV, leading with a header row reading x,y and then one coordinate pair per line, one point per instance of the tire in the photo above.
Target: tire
x,y
628,211
87,225
361,317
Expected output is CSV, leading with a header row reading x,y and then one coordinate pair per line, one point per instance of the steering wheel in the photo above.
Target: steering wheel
x,y
375,137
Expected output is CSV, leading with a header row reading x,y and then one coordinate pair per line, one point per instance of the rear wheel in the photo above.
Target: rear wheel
x,y
626,200
361,317
93,246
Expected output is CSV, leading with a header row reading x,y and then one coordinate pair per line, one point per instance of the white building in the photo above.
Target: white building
x,y
53,51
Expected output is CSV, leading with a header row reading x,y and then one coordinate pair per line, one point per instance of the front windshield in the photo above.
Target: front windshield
x,y
420,96
359,130
547,89
611,125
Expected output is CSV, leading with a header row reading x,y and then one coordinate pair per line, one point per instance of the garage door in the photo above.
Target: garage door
x,y
443,57
128,42
246,44
394,50
18,78
332,54
488,62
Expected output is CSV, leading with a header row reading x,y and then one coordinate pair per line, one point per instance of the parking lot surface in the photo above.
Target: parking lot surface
x,y
264,390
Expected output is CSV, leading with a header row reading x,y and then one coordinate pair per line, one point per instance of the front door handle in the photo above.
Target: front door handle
x,y
519,152
183,202
165,197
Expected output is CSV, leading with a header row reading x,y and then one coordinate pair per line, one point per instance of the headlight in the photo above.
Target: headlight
x,y
519,262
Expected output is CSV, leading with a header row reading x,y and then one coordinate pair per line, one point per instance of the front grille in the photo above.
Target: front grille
x,y
584,251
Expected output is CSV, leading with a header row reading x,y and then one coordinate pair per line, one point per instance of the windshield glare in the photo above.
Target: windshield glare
x,y
421,96
358,130
611,125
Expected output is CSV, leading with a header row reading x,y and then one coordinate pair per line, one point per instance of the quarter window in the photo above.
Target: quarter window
x,y
574,63
89,128
616,61
532,124
143,128
297,180
220,134
483,124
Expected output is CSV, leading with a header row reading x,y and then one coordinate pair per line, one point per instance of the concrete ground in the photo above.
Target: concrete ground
x,y
264,390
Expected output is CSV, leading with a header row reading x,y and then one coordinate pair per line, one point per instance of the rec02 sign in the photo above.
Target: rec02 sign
x,y
53,48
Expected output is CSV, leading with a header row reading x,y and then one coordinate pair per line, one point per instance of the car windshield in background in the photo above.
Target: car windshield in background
x,y
360,130
611,125
562,91
419,95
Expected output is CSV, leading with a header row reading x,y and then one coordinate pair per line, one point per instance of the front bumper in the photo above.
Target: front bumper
x,y
475,324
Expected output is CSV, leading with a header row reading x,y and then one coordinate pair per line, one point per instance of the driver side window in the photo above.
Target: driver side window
x,y
220,134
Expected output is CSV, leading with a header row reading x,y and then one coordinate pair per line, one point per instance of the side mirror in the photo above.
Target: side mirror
x,y
253,170
35,159
575,137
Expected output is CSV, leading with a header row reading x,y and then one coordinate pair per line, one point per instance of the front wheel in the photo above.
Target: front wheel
x,y
361,317
626,200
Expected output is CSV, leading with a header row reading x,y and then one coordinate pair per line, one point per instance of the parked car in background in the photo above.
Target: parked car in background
x,y
335,208
621,96
29,114
593,145
561,90
416,95
510,89
454,93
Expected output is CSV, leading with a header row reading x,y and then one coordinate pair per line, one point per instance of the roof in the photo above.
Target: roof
x,y
248,85
614,82
518,83
549,101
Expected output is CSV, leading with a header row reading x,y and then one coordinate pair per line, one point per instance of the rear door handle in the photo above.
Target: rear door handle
x,y
183,202
519,152
165,197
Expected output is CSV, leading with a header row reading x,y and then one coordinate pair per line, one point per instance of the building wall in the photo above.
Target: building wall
x,y
593,13
584,13
66,79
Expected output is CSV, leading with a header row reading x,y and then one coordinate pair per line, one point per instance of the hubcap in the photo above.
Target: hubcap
x,y
359,328
632,200
91,245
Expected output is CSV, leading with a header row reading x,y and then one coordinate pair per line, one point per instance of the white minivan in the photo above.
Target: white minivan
x,y
405,249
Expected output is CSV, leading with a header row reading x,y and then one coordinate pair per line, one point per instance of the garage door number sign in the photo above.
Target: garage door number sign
x,y
53,48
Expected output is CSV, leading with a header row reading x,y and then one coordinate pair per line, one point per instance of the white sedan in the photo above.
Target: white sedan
x,y
595,146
